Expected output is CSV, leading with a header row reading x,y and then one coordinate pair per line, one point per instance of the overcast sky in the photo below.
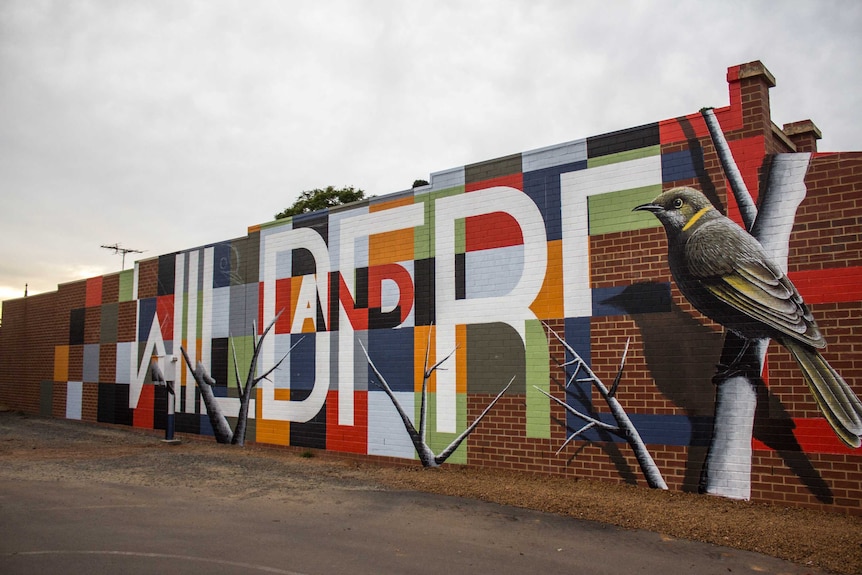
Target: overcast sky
x,y
166,125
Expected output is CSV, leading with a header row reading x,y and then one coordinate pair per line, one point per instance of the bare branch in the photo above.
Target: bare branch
x,y
619,376
408,424
236,368
219,423
624,428
592,420
747,208
425,453
444,455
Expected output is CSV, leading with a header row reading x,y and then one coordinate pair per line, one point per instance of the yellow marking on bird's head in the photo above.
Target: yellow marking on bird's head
x,y
696,217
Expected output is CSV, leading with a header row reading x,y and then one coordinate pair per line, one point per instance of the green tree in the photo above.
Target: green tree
x,y
319,199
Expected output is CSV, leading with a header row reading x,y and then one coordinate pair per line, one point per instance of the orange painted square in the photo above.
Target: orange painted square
x,y
391,247
269,430
61,363
549,303
461,352
421,342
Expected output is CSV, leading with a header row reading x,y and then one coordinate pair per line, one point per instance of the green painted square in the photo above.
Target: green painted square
x,y
439,441
109,324
538,376
244,348
127,282
46,398
612,212
626,156
423,236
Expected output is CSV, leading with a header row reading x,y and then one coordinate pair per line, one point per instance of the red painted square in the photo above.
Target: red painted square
x,y
830,285
142,415
347,438
94,292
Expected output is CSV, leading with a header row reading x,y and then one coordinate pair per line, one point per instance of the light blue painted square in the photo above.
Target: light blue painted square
x,y
74,399
494,272
124,362
91,363
386,433
557,155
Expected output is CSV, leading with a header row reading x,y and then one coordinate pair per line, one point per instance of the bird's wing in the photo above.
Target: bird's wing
x,y
736,269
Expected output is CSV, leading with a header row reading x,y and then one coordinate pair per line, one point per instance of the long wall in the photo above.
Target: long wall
x,y
486,263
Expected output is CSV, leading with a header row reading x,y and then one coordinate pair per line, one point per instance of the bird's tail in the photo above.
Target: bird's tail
x,y
836,400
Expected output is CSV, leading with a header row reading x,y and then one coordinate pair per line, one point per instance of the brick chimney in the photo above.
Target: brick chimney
x,y
804,135
754,81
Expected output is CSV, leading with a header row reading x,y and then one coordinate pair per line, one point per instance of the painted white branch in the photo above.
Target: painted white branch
x,y
625,428
423,450
219,423
727,469
737,185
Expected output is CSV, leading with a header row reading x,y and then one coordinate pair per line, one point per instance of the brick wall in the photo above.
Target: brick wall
x,y
468,264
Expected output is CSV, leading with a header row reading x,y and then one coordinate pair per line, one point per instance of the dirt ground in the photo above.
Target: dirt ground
x,y
33,448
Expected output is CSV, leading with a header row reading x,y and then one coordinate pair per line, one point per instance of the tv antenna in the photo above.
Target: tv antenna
x,y
123,251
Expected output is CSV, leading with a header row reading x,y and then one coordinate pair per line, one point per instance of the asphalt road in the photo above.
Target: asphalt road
x,y
100,527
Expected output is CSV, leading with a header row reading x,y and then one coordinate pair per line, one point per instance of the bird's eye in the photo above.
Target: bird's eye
x,y
677,203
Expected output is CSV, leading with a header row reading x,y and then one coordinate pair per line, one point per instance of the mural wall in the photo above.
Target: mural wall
x,y
485,263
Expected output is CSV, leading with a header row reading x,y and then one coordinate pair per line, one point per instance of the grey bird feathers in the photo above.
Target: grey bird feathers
x,y
725,273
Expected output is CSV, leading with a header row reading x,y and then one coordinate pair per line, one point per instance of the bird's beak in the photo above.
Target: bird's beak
x,y
654,208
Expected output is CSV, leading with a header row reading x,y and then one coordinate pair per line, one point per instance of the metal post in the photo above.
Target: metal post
x,y
169,422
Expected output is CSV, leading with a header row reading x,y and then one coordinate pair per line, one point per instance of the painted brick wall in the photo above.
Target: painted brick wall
x,y
483,262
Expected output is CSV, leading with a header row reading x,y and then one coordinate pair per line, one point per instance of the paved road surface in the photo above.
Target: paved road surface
x,y
98,527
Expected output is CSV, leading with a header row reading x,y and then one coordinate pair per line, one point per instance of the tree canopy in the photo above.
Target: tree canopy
x,y
318,199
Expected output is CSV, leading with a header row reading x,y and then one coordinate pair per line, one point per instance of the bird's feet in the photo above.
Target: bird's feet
x,y
736,368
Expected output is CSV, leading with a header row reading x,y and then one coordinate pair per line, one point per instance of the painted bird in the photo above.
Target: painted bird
x,y
726,274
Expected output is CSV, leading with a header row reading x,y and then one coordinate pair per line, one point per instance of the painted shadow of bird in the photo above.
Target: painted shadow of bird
x,y
688,383
726,274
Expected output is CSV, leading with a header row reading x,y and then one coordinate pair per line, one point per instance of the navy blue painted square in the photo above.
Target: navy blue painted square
x,y
391,350
219,364
311,433
221,265
318,221
578,395
105,407
543,187
122,412
624,140
424,291
302,361
146,313
76,326
206,427
188,423
160,406
680,165
167,273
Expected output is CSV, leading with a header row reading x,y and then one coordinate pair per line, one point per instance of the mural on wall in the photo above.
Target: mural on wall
x,y
581,372
532,268
419,437
728,275
220,425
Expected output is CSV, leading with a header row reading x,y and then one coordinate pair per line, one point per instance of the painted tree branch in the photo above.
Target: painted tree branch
x,y
624,428
727,468
218,421
418,437
737,185
220,425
